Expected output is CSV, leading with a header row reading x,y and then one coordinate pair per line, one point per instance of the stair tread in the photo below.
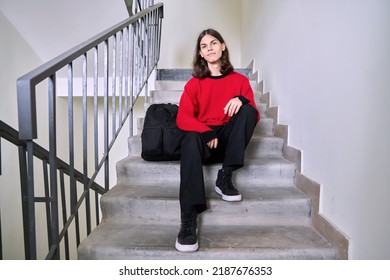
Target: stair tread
x,y
259,146
248,161
263,194
124,241
264,171
255,137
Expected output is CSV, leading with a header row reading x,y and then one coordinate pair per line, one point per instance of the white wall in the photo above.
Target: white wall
x,y
185,19
16,58
326,64
70,22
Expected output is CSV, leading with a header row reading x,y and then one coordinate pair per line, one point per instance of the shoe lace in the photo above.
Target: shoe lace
x,y
227,181
188,223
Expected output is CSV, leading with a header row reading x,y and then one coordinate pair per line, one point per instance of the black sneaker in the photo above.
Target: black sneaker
x,y
225,188
187,240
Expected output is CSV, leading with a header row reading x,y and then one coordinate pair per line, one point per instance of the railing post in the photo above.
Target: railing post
x,y
27,114
27,192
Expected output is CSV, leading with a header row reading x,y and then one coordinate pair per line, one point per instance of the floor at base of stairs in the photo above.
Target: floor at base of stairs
x,y
123,241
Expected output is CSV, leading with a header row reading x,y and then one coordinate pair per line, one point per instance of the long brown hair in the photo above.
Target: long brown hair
x,y
199,64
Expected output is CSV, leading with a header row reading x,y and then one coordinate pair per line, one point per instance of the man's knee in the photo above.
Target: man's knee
x,y
247,112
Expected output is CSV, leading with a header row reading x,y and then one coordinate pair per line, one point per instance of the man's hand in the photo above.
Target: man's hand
x,y
233,106
212,144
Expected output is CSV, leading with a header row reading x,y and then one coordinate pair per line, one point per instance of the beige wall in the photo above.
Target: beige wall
x,y
16,58
185,19
327,64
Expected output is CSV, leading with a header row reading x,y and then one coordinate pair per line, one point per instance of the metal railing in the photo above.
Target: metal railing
x,y
134,6
114,69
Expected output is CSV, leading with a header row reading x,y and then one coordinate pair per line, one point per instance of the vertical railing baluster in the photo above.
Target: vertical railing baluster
x,y
146,55
27,192
72,176
96,105
1,168
53,163
64,214
126,68
85,143
142,50
121,41
47,203
72,179
106,131
131,77
1,236
96,122
1,239
113,90
155,36
136,58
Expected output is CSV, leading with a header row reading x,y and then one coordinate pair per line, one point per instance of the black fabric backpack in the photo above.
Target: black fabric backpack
x,y
160,137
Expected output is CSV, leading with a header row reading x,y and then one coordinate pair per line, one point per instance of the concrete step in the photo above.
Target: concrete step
x,y
179,85
262,107
265,127
173,96
121,241
184,74
259,146
155,204
133,170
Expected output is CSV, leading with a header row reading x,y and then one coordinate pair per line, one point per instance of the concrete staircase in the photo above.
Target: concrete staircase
x,y
141,216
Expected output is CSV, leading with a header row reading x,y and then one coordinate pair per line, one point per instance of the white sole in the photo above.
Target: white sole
x,y
229,198
186,248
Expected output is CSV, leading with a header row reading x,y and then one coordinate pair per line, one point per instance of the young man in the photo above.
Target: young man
x,y
218,113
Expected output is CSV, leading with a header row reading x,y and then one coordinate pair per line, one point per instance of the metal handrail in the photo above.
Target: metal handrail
x,y
12,136
129,51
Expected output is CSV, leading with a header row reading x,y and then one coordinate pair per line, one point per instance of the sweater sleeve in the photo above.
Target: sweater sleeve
x,y
186,118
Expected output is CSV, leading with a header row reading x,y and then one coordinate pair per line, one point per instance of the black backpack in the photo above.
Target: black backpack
x,y
161,138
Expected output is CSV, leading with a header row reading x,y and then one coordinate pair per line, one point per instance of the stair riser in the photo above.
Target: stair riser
x,y
258,147
264,147
161,173
179,74
262,107
244,242
179,85
265,127
173,96
166,211
121,253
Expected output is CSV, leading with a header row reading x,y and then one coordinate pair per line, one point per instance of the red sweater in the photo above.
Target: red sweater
x,y
202,102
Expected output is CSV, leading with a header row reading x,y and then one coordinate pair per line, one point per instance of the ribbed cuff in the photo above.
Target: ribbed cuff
x,y
209,135
243,99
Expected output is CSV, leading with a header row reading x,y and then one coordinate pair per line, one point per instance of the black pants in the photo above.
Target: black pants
x,y
233,138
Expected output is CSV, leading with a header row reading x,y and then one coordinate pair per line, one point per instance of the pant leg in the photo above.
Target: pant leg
x,y
192,189
236,135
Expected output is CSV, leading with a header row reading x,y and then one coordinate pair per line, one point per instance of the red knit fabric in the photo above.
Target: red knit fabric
x,y
202,102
